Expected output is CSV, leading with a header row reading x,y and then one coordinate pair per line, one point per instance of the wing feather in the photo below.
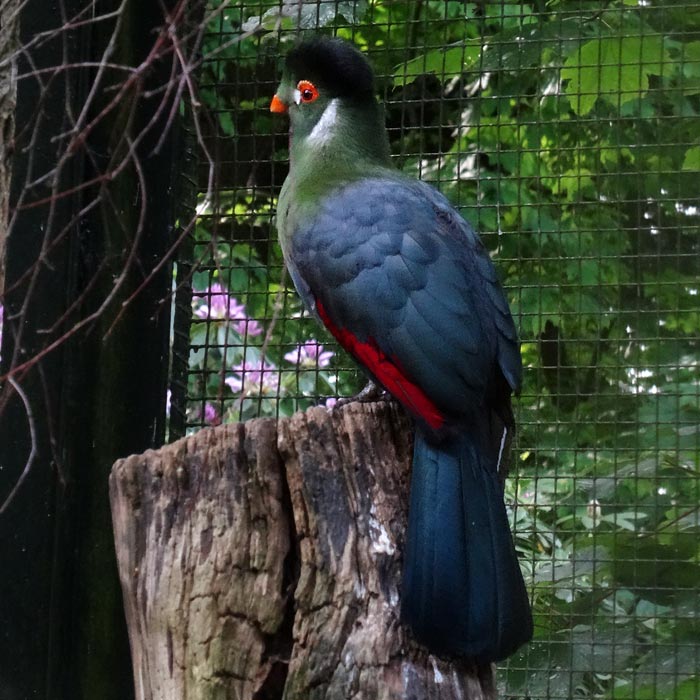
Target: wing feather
x,y
399,268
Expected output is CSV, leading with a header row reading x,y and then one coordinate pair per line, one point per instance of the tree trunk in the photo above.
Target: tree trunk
x,y
262,560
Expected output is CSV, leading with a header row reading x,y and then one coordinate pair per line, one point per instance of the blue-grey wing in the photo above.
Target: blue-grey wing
x,y
393,263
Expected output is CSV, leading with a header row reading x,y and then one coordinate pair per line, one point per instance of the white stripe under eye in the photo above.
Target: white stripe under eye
x,y
324,129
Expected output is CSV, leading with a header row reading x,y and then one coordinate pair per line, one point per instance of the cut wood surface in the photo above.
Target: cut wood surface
x,y
263,561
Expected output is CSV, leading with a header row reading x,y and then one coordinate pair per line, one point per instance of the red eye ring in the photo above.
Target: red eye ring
x,y
307,91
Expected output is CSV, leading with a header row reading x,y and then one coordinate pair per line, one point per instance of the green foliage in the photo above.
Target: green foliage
x,y
568,134
614,68
237,345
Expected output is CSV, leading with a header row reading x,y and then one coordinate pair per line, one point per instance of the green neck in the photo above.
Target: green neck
x,y
353,145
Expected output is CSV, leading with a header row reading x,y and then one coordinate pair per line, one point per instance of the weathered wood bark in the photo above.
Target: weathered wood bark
x,y
262,560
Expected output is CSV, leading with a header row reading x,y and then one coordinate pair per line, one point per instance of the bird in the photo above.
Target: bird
x,y
406,286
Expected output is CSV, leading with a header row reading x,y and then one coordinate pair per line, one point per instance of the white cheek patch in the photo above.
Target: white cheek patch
x,y
325,126
297,96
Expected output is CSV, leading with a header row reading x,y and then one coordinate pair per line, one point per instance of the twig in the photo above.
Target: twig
x,y
32,451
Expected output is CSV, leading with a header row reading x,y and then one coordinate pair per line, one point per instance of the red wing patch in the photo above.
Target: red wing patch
x,y
387,371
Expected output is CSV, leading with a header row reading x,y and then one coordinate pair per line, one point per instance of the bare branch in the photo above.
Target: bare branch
x,y
32,451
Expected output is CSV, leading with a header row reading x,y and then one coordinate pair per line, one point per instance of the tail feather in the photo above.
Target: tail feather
x,y
463,592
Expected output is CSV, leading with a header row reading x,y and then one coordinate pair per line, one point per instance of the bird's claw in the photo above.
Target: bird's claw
x,y
371,392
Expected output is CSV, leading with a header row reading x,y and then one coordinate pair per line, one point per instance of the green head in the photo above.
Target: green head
x,y
327,89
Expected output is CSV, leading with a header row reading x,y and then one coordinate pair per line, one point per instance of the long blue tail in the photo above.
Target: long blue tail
x,y
463,592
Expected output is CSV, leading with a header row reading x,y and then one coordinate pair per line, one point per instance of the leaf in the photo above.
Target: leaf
x,y
614,68
352,10
667,666
312,15
315,15
692,159
593,646
572,182
518,48
445,63
226,123
691,59
687,690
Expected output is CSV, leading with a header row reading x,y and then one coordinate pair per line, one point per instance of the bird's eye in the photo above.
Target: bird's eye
x,y
307,91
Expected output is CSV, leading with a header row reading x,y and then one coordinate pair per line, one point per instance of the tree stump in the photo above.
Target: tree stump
x,y
263,560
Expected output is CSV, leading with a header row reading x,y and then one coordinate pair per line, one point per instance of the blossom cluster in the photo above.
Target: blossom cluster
x,y
258,377
248,371
310,355
216,304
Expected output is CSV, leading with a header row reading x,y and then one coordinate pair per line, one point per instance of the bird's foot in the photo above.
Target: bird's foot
x,y
371,392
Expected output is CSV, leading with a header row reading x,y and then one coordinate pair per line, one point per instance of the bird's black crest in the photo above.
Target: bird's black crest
x,y
334,65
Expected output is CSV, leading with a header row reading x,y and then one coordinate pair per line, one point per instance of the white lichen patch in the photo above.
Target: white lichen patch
x,y
381,542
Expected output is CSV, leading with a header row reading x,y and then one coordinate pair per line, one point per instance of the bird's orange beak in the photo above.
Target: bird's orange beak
x,y
277,105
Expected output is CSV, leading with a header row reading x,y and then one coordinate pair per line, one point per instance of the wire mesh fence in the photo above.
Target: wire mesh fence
x,y
568,134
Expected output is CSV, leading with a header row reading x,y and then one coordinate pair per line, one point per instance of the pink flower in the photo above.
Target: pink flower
x,y
217,304
220,305
247,326
310,354
211,415
257,377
